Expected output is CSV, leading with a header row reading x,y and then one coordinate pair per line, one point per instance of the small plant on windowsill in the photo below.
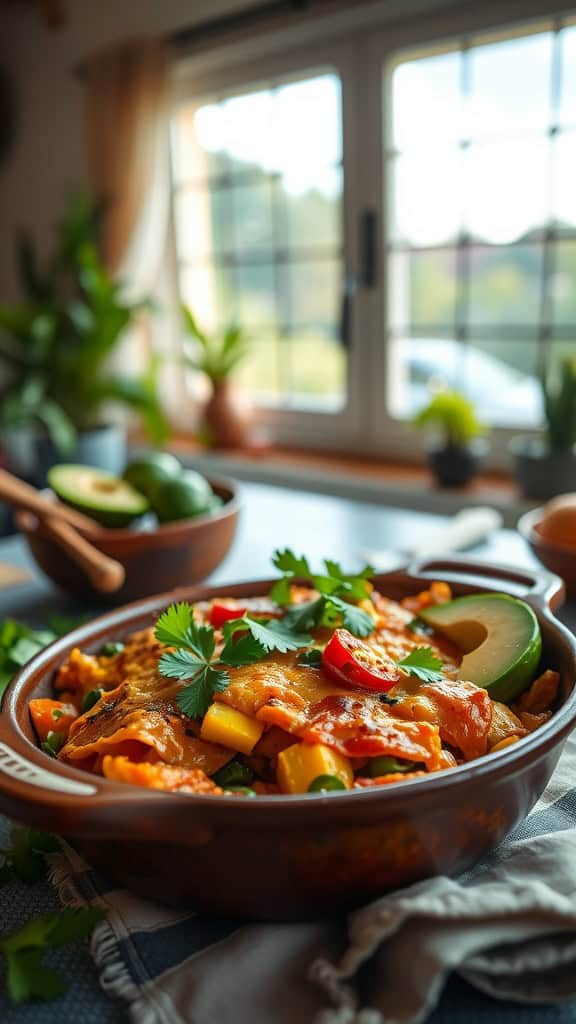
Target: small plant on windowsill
x,y
546,466
217,356
456,458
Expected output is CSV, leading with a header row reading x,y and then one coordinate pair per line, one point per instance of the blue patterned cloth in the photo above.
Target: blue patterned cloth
x,y
498,945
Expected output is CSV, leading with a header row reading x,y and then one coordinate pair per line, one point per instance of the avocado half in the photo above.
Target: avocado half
x,y
109,500
500,637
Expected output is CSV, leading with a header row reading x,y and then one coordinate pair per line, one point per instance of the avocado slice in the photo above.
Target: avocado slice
x,y
109,500
500,638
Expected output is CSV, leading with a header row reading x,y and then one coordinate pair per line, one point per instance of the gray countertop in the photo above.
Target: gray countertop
x,y
272,517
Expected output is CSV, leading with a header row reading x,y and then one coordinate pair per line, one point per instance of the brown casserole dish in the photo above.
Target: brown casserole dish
x,y
278,857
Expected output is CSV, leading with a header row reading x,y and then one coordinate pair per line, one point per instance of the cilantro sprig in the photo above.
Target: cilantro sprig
x,y
423,664
27,975
23,860
19,643
337,593
194,659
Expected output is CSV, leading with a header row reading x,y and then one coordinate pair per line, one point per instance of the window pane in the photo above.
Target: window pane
x,y
307,121
209,291
499,377
312,211
511,86
507,189
317,369
255,295
419,366
252,216
266,207
315,296
563,283
423,288
259,373
567,113
564,180
420,89
505,284
426,203
204,223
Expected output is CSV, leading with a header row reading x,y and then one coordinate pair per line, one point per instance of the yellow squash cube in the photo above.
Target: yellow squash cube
x,y
300,764
231,728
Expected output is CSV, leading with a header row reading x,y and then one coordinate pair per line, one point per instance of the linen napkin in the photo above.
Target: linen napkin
x,y
508,927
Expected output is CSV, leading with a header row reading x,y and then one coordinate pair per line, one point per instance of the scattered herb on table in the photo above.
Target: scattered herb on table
x,y
27,975
23,859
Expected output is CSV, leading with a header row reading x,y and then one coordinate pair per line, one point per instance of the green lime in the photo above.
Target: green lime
x,y
188,495
146,473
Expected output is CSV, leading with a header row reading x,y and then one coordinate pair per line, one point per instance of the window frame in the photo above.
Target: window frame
x,y
358,45
293,425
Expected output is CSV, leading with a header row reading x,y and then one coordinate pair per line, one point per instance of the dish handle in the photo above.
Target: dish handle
x,y
537,586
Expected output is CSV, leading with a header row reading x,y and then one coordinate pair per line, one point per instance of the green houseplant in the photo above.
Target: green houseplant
x,y
217,356
455,459
547,466
54,349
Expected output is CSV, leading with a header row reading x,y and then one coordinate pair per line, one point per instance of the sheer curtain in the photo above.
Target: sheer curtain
x,y
127,110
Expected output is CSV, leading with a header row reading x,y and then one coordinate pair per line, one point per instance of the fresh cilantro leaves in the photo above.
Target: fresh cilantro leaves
x,y
195,699
27,975
423,664
193,660
250,639
336,589
23,859
268,635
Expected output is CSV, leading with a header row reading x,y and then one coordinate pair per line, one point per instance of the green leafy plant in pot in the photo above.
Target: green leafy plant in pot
x,y
546,466
456,458
54,350
217,356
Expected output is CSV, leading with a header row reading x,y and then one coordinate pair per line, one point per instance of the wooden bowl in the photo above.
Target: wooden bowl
x,y
172,555
559,558
286,857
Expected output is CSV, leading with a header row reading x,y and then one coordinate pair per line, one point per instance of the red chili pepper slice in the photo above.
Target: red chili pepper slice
x,y
351,661
222,612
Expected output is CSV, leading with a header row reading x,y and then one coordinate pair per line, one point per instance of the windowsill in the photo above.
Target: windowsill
x,y
361,479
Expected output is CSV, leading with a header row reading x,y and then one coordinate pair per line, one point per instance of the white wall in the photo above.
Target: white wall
x,y
46,160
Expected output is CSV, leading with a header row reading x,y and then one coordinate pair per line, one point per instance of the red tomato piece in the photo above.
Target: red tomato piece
x,y
351,661
223,611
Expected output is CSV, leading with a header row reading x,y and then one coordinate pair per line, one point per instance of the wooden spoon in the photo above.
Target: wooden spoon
x,y
15,492
105,573
63,523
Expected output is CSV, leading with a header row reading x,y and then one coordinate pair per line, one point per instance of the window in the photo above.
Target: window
x,y
258,216
480,167
431,184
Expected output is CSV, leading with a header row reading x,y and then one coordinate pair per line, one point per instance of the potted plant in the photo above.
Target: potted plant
x,y
456,458
54,350
547,466
217,355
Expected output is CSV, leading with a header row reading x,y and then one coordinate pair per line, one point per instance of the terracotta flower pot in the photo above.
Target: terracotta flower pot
x,y
227,416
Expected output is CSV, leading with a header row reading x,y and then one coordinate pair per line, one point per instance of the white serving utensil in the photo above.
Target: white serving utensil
x,y
466,528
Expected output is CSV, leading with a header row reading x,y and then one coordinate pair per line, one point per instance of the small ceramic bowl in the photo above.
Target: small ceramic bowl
x,y
559,558
169,556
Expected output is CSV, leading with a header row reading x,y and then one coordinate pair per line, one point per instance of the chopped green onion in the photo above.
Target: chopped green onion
x,y
111,649
387,765
325,784
233,774
243,790
90,699
56,714
52,743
